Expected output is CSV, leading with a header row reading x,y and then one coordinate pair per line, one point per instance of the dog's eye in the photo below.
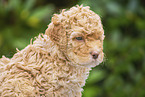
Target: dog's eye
x,y
79,38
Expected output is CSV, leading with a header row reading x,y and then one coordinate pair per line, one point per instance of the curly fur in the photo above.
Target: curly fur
x,y
56,64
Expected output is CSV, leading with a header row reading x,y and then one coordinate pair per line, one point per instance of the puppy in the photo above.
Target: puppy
x,y
57,63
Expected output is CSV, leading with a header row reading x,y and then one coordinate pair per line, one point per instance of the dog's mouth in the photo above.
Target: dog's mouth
x,y
91,60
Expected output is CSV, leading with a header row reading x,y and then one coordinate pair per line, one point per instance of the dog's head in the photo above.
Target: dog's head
x,y
79,34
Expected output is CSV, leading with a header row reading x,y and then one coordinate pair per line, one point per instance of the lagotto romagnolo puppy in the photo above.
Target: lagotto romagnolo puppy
x,y
57,63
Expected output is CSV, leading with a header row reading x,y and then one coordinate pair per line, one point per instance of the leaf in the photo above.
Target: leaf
x,y
114,8
91,92
20,43
133,5
42,12
14,5
39,14
29,4
95,76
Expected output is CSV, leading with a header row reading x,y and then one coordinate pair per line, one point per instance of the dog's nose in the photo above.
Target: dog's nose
x,y
94,55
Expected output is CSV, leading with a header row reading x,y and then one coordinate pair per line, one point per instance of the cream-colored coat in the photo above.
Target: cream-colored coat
x,y
57,63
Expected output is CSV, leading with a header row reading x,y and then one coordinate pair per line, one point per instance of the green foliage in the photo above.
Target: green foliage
x,y
21,21
122,72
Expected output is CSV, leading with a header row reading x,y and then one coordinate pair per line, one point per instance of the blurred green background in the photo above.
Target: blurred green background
x,y
122,74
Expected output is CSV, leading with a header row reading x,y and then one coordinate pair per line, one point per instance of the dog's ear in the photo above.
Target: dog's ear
x,y
57,33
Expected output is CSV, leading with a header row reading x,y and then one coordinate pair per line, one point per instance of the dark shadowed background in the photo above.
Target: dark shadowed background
x,y
122,74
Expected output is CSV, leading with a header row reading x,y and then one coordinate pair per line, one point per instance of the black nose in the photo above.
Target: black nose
x,y
94,55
